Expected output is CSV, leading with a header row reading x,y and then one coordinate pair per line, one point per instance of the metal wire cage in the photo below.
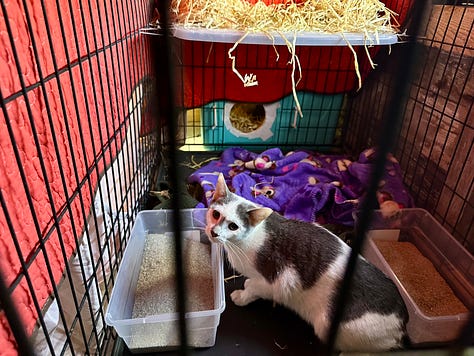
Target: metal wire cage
x,y
78,154
95,112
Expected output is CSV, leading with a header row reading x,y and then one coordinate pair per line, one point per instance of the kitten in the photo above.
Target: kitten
x,y
300,265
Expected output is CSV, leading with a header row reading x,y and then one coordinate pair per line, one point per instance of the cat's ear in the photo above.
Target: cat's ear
x,y
221,190
256,216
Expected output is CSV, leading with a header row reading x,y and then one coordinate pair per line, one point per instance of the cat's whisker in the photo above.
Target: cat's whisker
x,y
242,252
239,252
232,250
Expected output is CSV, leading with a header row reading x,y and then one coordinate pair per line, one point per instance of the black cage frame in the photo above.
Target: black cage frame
x,y
133,73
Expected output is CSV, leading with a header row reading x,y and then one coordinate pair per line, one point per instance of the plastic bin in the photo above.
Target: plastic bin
x,y
202,325
454,263
302,38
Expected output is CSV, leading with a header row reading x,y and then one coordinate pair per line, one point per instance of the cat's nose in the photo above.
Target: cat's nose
x,y
213,234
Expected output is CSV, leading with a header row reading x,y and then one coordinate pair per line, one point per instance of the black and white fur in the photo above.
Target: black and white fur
x,y
300,265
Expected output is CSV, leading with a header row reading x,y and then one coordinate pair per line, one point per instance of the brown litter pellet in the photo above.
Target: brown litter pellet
x,y
418,275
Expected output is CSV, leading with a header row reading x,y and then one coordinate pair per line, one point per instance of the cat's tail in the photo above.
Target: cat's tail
x,y
405,341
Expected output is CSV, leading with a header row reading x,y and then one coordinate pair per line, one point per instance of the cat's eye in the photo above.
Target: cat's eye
x,y
216,215
233,226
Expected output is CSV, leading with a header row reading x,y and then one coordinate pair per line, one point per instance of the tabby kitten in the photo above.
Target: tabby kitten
x,y
300,266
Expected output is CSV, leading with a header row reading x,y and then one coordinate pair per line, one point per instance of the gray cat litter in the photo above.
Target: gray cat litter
x,y
156,294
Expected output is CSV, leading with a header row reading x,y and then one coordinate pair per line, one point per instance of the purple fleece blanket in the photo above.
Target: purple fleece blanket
x,y
302,185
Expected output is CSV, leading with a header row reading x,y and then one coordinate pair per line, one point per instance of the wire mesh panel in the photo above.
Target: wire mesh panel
x,y
78,150
436,136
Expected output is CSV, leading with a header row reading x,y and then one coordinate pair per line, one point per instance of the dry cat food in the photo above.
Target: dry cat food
x,y
156,294
418,275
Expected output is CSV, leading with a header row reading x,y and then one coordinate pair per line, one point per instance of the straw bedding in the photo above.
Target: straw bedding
x,y
322,16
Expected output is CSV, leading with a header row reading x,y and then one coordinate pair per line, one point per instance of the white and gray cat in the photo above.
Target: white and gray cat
x,y
300,266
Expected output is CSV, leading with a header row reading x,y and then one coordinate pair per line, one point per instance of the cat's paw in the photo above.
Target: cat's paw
x,y
239,297
242,297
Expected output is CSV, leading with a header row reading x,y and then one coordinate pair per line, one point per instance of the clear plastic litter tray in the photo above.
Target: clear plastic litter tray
x,y
302,38
139,334
453,262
